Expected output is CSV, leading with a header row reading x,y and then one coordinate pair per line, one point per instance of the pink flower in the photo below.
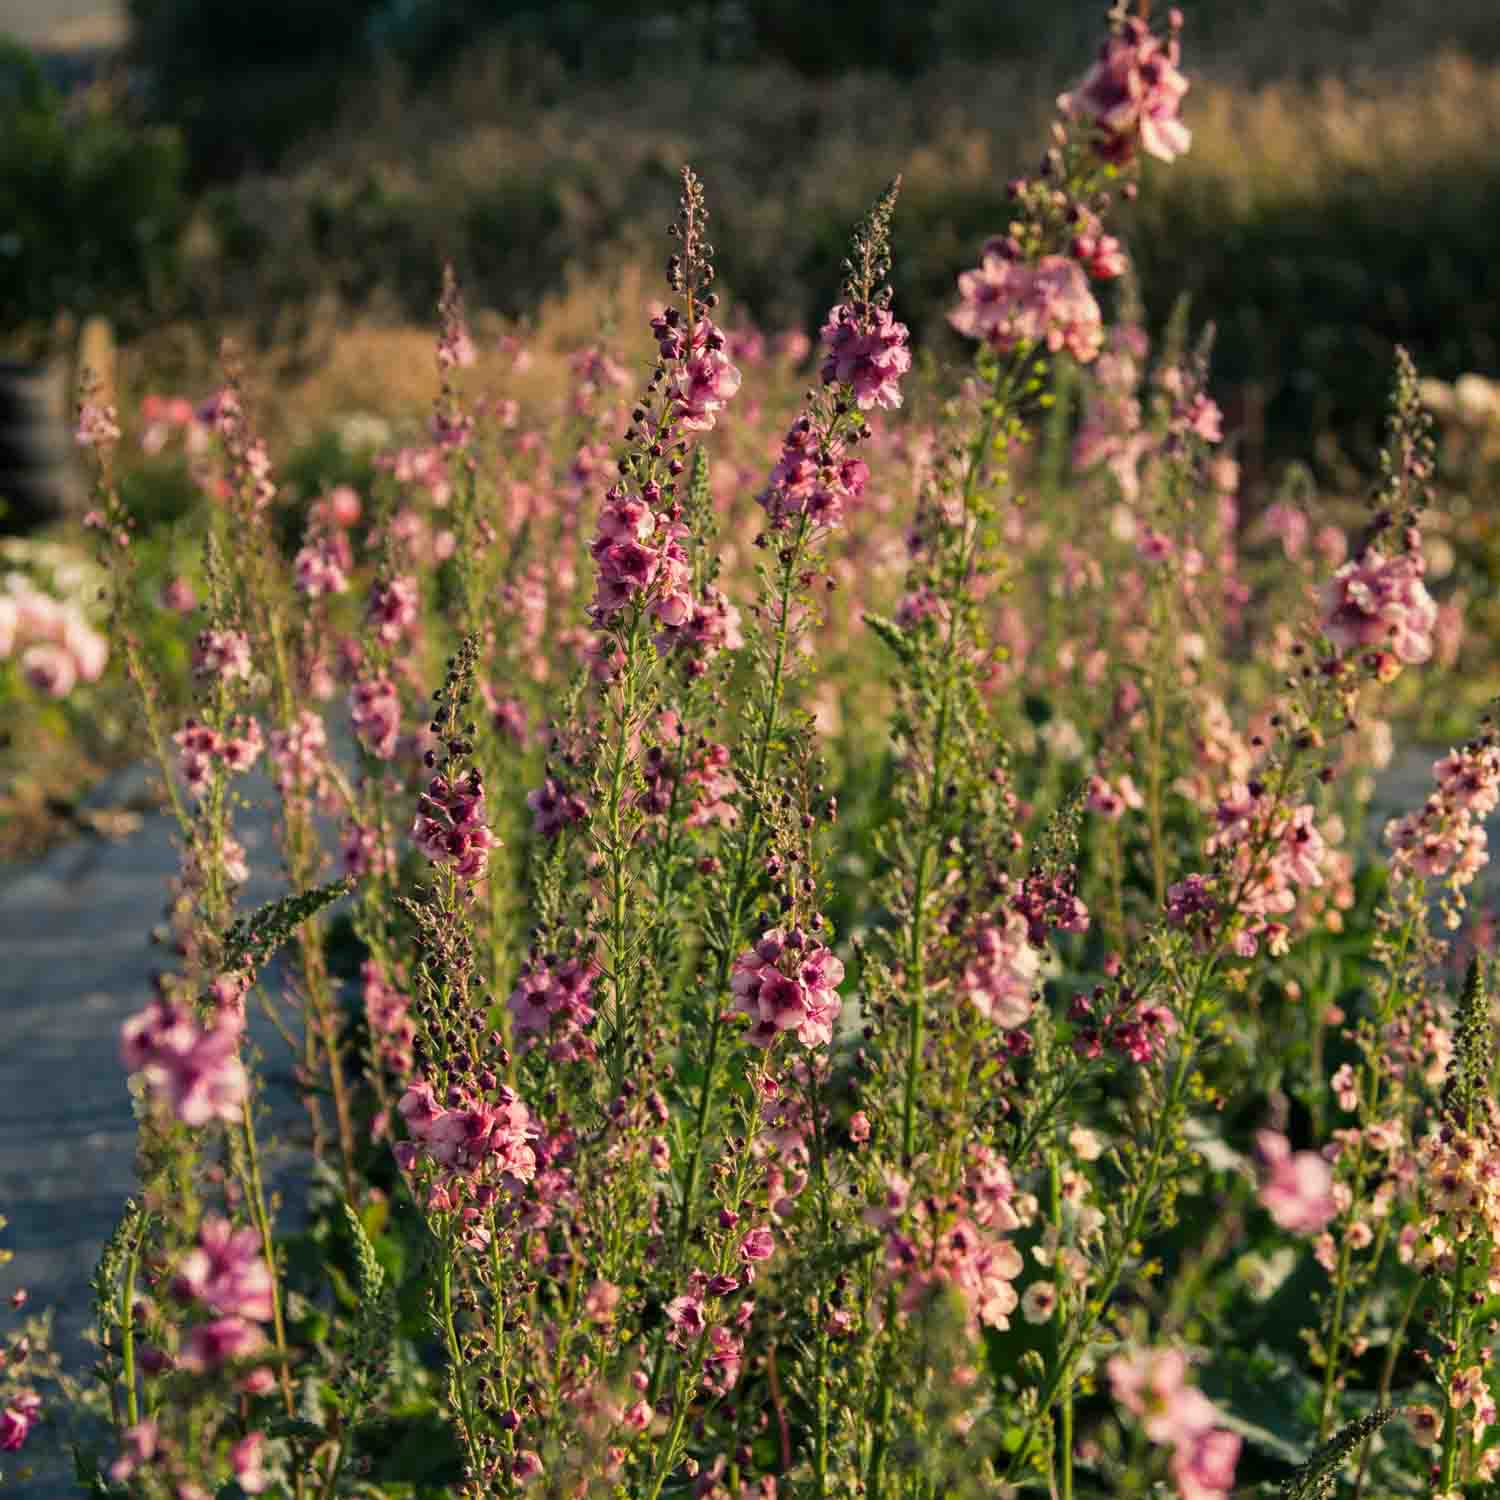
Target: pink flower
x,y
225,1270
722,1360
245,1459
685,1314
1381,603
375,708
866,350
1446,836
711,627
804,1000
1150,1383
322,566
450,828
1111,801
1296,1189
1153,546
1467,1386
999,979
706,383
299,753
638,1416
1426,1424
966,1256
198,1072
555,1002
241,744
18,1416
364,851
758,1245
209,1345
393,608
1203,1464
97,425
222,653
812,478
554,807
478,1135
1132,95
639,554
49,669
600,1303
140,1448
1008,301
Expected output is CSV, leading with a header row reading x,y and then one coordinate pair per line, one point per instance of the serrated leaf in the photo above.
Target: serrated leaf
x,y
1314,1480
253,939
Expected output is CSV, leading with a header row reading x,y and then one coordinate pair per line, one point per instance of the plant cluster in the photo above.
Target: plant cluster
x,y
703,1103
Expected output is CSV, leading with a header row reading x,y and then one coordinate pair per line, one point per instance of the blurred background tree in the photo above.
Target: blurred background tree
x,y
91,209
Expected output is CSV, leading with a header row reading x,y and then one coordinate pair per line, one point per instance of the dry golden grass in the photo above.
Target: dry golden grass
x,y
1308,140
529,199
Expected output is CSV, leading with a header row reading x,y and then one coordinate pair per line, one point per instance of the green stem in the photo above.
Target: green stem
x,y
1371,1093
1387,1373
268,1249
1335,1338
884,1401
456,1361
1135,1219
916,951
127,1322
1154,790
740,888
330,1485
1054,1178
618,853
1455,1335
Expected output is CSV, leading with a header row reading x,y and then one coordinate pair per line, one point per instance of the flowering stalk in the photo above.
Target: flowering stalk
x,y
644,571
810,488
297,747
1256,854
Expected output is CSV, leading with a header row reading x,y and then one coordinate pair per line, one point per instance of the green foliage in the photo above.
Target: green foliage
x,y
253,939
91,207
1315,1479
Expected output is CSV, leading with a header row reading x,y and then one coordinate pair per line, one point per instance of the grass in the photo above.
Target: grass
x,y
1319,219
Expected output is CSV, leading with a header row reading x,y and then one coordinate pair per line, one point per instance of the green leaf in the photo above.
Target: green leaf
x,y
1314,1480
253,939
893,635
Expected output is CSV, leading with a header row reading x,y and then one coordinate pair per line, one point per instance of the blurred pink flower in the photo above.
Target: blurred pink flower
x,y
1296,1188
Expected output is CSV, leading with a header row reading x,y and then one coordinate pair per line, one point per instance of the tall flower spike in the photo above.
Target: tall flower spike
x,y
865,347
1469,1069
1407,458
869,262
690,272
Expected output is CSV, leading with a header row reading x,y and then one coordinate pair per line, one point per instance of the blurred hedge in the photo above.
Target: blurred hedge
x,y
91,208
247,83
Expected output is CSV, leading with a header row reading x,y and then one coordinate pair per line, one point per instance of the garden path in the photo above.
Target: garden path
x,y
76,959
